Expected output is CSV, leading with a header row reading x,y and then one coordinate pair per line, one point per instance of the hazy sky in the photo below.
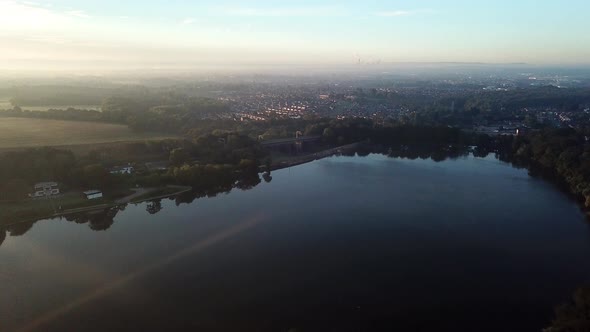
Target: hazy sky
x,y
131,33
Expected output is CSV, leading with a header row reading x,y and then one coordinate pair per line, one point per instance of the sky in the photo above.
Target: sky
x,y
57,34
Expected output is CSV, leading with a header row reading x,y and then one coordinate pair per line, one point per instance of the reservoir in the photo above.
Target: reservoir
x,y
340,244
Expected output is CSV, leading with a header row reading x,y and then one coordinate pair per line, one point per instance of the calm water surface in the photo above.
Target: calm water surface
x,y
340,244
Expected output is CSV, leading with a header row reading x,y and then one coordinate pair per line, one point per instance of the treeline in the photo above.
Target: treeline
x,y
493,106
48,95
20,170
142,114
209,162
144,109
69,114
202,161
172,118
213,180
348,131
560,154
573,316
218,149
547,96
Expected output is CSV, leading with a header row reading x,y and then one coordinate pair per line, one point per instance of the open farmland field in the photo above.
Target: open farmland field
x,y
23,133
57,107
6,105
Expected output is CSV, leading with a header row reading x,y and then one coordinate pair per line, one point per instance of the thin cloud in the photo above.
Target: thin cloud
x,y
78,13
393,13
400,13
282,12
18,15
189,20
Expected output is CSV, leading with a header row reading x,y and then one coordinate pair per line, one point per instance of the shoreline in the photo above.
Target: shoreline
x,y
182,189
296,161
300,160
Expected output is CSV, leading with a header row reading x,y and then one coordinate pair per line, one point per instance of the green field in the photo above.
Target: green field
x,y
25,132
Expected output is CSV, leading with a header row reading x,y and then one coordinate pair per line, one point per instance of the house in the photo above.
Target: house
x,y
157,165
45,189
93,194
122,170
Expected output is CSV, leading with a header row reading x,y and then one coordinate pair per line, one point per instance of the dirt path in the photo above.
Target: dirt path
x,y
138,192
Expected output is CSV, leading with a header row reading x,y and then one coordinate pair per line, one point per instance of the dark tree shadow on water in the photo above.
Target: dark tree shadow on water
x,y
249,182
154,207
103,220
79,218
2,236
20,228
96,220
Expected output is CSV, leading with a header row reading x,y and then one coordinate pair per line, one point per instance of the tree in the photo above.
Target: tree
x,y
248,166
179,156
103,220
573,316
96,176
154,207
14,189
328,132
20,228
2,235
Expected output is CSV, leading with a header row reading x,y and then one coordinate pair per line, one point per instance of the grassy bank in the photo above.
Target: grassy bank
x,y
44,207
161,193
32,209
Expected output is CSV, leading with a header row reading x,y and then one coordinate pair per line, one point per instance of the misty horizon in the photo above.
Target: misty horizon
x,y
66,35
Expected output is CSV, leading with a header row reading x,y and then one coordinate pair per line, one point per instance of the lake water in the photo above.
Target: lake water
x,y
341,244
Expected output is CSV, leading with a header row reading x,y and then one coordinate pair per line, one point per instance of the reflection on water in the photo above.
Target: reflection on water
x,y
97,220
340,244
103,220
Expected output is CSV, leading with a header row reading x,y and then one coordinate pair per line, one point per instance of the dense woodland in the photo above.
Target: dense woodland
x,y
562,155
203,162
